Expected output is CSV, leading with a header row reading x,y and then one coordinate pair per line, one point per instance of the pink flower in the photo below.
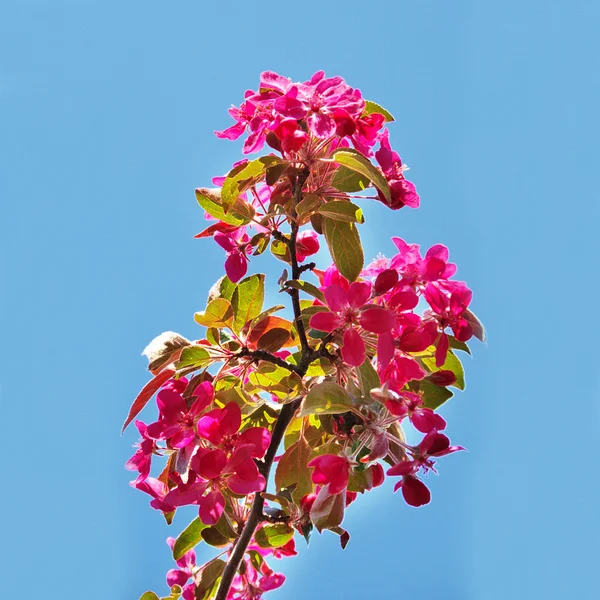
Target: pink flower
x,y
235,244
348,312
449,304
403,192
186,563
307,244
291,136
250,583
331,469
433,445
141,460
415,270
177,422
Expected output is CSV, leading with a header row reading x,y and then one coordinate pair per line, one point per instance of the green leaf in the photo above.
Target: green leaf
x,y
309,204
456,345
275,380
223,288
292,469
213,537
327,398
305,286
149,596
345,247
372,107
208,577
347,180
247,300
194,356
188,538
265,313
434,395
355,161
218,313
274,536
342,210
240,181
368,378
281,251
241,213
452,364
274,172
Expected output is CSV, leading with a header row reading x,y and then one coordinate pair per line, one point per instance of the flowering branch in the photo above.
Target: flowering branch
x,y
357,361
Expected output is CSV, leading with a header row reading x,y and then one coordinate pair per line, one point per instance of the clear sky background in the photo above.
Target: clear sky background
x,y
106,117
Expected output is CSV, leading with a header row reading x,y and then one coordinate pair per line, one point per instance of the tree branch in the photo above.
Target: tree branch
x,y
288,410
267,356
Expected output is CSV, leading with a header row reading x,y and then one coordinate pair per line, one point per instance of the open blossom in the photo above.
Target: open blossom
x,y
433,445
415,270
235,244
177,422
349,311
250,583
142,459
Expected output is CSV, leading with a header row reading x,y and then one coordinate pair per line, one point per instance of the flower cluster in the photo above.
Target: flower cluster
x,y
322,399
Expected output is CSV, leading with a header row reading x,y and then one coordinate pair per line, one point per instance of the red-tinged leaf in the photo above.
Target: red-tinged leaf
x,y
344,536
271,334
147,392
210,231
476,326
292,469
327,511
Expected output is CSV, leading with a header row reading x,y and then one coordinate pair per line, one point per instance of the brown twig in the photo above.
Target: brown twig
x,y
288,410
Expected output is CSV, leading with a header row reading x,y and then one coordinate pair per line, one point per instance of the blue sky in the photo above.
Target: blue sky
x,y
107,112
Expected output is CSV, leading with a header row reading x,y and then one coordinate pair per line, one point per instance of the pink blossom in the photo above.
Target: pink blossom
x,y
307,244
141,460
235,244
250,584
403,192
331,469
186,563
348,311
177,422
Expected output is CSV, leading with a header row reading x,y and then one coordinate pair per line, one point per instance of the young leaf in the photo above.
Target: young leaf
x,y
342,210
452,364
193,356
292,469
164,349
327,398
270,334
345,247
238,182
328,509
349,181
149,596
208,577
240,213
476,326
368,378
223,288
218,313
305,286
434,395
274,536
281,251
355,161
247,300
147,392
188,538
372,107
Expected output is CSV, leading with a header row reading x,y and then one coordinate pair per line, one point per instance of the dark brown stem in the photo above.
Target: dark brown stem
x,y
287,411
267,356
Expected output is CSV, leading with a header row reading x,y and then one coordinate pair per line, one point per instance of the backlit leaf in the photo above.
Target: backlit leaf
x,y
327,398
345,247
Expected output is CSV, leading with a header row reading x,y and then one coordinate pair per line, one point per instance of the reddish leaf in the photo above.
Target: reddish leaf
x,y
147,392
